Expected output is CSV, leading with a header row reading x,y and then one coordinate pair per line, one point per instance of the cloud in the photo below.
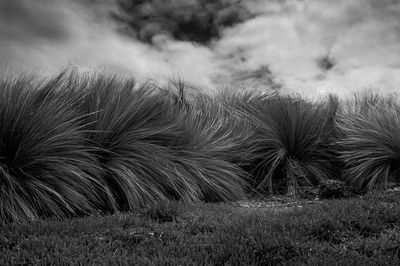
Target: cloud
x,y
47,35
291,37
199,21
282,43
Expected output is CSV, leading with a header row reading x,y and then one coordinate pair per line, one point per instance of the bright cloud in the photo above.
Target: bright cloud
x,y
285,39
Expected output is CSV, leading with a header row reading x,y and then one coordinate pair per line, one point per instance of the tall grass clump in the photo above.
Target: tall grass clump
x,y
46,167
150,146
293,144
211,147
132,131
370,144
81,143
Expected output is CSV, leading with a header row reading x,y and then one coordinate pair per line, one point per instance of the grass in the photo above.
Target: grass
x,y
361,231
132,130
293,140
97,169
79,144
212,148
46,167
370,145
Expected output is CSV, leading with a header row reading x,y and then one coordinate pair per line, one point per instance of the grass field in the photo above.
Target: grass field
x,y
361,231
86,146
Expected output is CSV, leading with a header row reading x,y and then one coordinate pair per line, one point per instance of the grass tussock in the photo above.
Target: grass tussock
x,y
370,146
46,166
212,144
292,144
156,145
80,143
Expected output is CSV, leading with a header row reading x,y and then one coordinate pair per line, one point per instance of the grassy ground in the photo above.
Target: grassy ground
x,y
358,231
78,147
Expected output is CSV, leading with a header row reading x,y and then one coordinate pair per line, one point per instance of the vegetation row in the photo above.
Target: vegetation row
x,y
80,144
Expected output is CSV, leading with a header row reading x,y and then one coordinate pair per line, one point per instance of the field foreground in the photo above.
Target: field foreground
x,y
357,231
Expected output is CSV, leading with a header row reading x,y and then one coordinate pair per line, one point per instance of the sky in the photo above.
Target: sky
x,y
311,47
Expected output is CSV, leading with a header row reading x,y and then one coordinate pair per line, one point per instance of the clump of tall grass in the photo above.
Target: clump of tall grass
x,y
155,145
211,147
293,141
78,143
370,145
81,143
46,167
132,131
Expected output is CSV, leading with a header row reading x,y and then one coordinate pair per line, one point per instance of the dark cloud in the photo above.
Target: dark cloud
x,y
326,62
199,21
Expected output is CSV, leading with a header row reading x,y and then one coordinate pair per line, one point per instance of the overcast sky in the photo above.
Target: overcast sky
x,y
287,40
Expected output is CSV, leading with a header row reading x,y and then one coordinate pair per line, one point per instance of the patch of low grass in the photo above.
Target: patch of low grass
x,y
163,211
362,231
